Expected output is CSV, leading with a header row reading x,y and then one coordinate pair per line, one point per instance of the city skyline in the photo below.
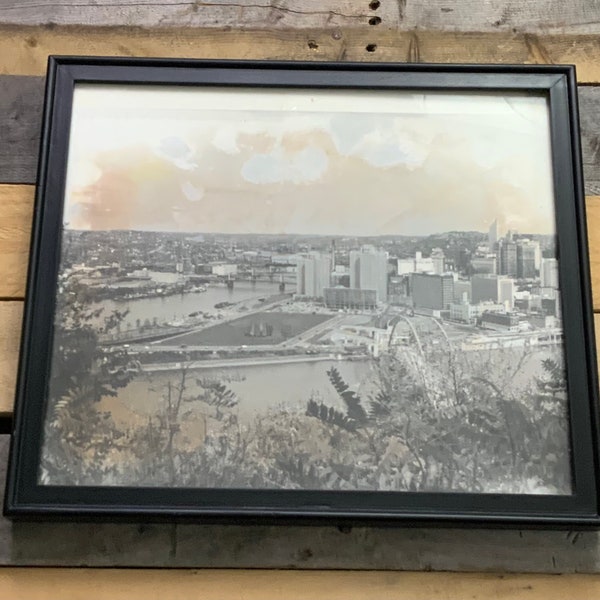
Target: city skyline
x,y
308,234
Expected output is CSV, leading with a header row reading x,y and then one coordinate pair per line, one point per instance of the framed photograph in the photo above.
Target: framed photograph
x,y
308,292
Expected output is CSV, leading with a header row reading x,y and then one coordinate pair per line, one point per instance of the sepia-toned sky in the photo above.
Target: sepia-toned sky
x,y
326,162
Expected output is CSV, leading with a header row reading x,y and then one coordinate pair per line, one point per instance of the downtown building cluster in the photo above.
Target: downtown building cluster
x,y
317,276
509,283
508,286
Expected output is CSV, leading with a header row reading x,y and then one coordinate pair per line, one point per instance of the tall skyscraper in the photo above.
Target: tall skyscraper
x,y
437,258
526,254
506,292
313,274
549,273
508,257
493,234
368,271
332,255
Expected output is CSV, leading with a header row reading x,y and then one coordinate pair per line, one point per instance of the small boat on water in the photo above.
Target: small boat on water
x,y
223,304
176,323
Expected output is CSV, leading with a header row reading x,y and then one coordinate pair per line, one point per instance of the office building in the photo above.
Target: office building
x,y
493,234
492,288
526,258
418,264
369,271
435,292
484,264
465,312
437,260
313,274
343,297
506,292
224,270
462,287
499,321
549,273
507,251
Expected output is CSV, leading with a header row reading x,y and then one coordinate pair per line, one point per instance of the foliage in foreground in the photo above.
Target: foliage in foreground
x,y
455,430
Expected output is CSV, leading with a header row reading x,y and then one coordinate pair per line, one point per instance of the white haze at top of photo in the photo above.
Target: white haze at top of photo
x,y
351,162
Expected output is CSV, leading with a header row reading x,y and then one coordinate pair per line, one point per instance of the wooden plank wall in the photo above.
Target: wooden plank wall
x,y
485,563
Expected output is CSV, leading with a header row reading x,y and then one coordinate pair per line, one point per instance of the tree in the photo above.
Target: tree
x,y
462,426
159,447
77,437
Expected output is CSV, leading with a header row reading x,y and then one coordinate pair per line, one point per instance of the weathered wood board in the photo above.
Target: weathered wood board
x,y
25,50
10,335
176,584
278,14
589,117
577,16
20,122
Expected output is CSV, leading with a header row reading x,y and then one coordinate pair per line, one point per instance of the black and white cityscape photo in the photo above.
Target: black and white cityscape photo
x,y
333,290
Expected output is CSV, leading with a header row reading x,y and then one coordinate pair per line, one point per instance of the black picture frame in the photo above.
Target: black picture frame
x,y
27,498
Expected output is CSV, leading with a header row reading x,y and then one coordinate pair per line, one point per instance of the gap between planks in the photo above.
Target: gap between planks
x,y
24,49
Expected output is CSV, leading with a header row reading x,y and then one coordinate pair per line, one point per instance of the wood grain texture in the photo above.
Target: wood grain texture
x,y
271,14
10,334
593,226
16,212
22,99
576,16
115,584
589,117
24,50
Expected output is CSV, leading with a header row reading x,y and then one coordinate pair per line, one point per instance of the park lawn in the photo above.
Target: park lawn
x,y
235,333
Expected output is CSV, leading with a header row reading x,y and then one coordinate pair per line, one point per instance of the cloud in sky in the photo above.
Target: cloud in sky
x,y
191,192
279,166
328,172
178,152
225,139
381,140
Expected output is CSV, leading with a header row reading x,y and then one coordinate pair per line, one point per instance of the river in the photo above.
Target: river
x,y
181,305
258,388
